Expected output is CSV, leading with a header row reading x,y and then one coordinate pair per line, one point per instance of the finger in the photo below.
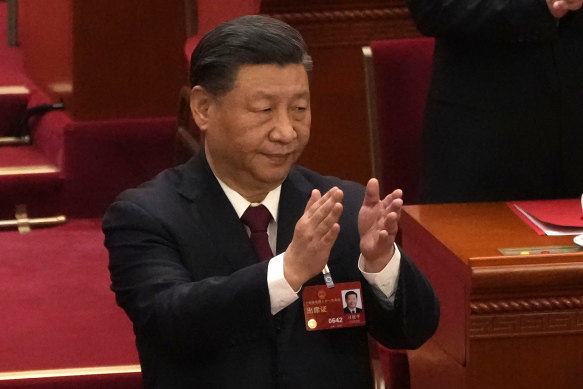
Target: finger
x,y
575,5
566,5
315,196
396,194
322,214
372,193
393,200
317,200
321,208
391,223
331,235
335,194
557,8
569,3
328,222
394,206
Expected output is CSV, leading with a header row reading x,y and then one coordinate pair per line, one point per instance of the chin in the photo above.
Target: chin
x,y
273,180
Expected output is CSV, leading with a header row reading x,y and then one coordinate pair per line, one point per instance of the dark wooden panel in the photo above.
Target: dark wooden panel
x,y
47,44
108,59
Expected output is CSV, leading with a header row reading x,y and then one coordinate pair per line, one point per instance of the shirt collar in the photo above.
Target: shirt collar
x,y
271,201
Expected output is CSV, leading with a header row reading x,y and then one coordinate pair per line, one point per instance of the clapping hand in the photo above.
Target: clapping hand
x,y
314,236
378,225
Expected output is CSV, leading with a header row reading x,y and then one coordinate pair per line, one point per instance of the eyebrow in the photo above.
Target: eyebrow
x,y
263,94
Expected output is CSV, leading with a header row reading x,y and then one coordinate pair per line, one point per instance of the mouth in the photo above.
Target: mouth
x,y
278,157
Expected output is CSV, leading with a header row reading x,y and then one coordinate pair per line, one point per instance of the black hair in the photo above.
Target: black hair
x,y
247,40
350,292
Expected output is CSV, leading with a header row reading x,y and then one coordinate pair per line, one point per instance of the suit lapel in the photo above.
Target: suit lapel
x,y
215,216
295,193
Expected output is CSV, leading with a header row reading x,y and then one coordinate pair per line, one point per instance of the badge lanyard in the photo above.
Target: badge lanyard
x,y
328,277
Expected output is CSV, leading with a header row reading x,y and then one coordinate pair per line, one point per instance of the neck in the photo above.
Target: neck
x,y
253,195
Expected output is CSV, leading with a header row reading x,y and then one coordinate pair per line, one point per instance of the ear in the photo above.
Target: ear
x,y
200,101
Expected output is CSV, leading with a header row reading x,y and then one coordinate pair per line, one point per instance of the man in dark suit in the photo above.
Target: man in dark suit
x,y
503,118
351,299
207,312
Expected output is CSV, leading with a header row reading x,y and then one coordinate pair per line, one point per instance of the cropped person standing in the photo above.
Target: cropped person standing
x,y
504,117
192,252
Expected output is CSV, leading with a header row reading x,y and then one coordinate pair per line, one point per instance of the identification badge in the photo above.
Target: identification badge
x,y
328,308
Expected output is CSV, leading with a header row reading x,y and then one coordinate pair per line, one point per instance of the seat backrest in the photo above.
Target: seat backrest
x,y
211,13
398,74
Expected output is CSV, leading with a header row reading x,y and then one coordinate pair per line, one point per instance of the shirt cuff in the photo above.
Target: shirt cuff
x,y
281,293
387,279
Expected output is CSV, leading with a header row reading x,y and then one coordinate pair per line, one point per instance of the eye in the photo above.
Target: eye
x,y
299,108
268,109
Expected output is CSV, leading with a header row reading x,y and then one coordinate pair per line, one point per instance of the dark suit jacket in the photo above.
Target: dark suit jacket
x,y
183,269
503,118
347,310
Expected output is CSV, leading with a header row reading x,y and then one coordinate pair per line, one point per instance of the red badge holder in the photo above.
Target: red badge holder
x,y
324,306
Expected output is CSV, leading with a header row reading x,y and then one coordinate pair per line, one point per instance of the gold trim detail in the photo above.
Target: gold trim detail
x,y
41,169
23,223
542,304
341,15
14,90
526,324
14,140
83,371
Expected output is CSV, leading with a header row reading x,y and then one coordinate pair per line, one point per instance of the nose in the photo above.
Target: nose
x,y
283,129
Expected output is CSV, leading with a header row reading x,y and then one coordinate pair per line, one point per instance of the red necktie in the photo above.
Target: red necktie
x,y
257,218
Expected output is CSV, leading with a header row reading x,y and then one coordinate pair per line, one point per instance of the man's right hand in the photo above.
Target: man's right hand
x,y
559,8
314,236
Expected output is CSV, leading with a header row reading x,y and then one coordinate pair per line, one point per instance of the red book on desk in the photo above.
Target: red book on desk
x,y
566,215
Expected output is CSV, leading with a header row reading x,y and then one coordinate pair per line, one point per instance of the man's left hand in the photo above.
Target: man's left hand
x,y
378,225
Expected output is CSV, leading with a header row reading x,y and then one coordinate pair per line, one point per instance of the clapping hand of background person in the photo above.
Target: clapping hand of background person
x,y
559,8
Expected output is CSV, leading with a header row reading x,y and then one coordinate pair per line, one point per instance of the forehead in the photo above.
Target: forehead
x,y
272,79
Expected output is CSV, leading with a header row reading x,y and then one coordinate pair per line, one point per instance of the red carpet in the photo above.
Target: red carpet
x,y
57,309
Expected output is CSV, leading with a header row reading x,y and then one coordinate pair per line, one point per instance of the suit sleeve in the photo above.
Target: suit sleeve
x,y
415,315
166,304
484,20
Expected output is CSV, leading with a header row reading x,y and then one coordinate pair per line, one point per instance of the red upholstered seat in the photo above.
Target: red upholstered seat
x,y
398,77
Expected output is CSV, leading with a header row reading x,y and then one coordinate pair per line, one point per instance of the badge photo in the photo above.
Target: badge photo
x,y
330,308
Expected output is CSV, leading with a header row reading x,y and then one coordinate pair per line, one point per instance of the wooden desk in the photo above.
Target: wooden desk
x,y
506,321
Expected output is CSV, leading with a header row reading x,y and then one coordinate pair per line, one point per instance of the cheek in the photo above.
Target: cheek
x,y
304,128
303,134
236,138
